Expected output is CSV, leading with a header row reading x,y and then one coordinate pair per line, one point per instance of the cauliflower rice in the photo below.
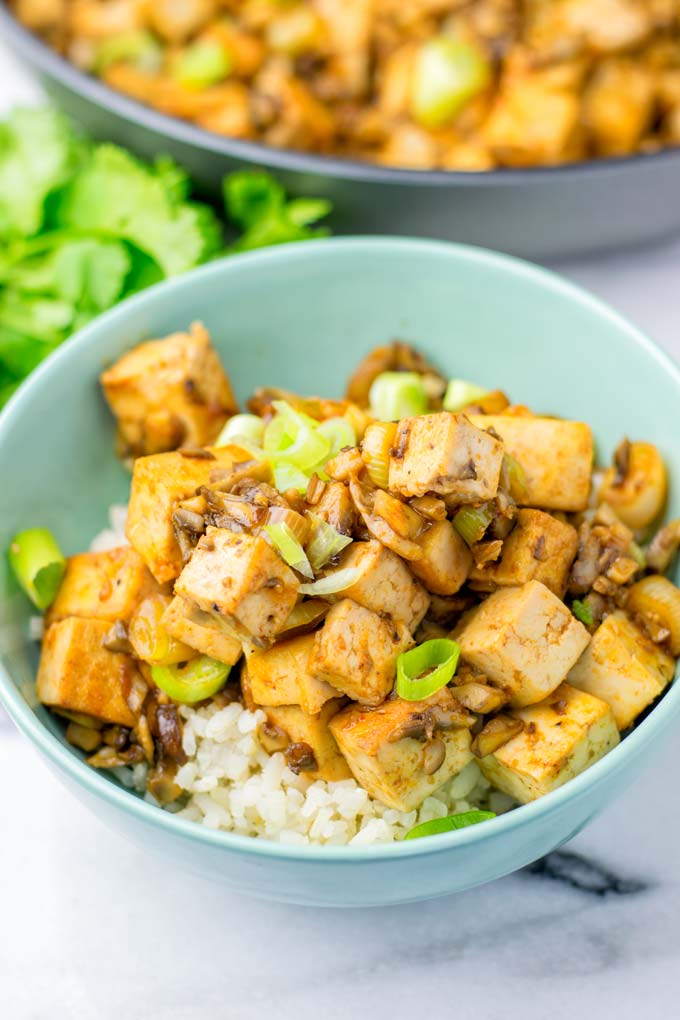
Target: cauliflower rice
x,y
231,783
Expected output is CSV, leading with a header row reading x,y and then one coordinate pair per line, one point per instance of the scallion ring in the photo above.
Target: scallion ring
x,y
198,680
427,668
38,565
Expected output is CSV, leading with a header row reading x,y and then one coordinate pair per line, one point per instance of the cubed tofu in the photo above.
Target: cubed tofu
x,y
446,559
557,458
336,508
202,631
524,639
102,586
538,548
563,735
532,123
77,673
168,393
447,454
356,651
623,667
384,583
280,676
394,771
159,483
241,578
314,731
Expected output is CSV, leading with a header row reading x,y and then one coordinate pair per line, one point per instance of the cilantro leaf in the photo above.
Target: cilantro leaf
x,y
257,203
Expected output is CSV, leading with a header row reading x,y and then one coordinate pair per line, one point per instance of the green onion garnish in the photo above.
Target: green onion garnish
x,y
471,522
38,565
427,668
395,395
136,46
636,553
201,64
438,825
582,612
242,427
460,393
448,73
337,580
325,542
293,438
198,680
288,477
514,477
288,548
338,433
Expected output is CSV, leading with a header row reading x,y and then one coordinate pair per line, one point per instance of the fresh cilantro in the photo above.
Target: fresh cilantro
x,y
257,203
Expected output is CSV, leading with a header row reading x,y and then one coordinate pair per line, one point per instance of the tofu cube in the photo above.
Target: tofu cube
x,y
202,631
336,508
168,393
394,771
623,667
524,639
384,583
446,559
77,673
102,586
447,454
314,731
356,651
557,457
242,579
539,548
159,483
563,735
280,676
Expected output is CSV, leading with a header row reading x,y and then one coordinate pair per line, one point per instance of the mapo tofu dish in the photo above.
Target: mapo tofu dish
x,y
354,620
466,85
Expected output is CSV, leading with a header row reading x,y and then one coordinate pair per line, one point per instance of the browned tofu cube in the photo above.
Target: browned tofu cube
x,y
280,676
336,508
447,454
532,123
242,579
314,731
563,735
623,667
203,631
446,559
77,673
384,583
168,393
556,455
539,548
159,483
102,586
398,770
524,639
356,651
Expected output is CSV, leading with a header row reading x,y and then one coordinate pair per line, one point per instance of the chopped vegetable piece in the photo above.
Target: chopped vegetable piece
x,y
514,477
38,565
294,438
288,547
246,427
288,477
136,47
448,73
325,542
203,63
395,395
337,581
198,680
338,433
436,826
375,451
303,616
460,394
427,668
471,522
582,612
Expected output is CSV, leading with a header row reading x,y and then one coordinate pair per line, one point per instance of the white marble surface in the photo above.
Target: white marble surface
x,y
92,929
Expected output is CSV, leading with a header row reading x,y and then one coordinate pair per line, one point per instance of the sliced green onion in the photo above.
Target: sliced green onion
x,y
636,553
471,522
137,47
427,668
201,64
582,612
332,583
303,616
244,427
38,565
448,73
460,393
288,477
198,680
395,395
325,542
438,825
514,477
288,548
294,438
338,433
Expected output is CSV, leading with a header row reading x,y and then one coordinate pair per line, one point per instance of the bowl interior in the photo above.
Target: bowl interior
x,y
300,317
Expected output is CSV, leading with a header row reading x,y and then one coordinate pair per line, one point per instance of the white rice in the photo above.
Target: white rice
x,y
231,783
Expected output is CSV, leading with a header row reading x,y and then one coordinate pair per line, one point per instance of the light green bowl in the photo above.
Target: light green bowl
x,y
300,317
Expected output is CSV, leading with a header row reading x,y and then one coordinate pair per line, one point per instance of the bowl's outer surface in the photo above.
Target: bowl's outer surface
x,y
534,213
300,317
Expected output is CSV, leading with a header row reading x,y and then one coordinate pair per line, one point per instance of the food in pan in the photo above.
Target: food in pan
x,y
354,620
